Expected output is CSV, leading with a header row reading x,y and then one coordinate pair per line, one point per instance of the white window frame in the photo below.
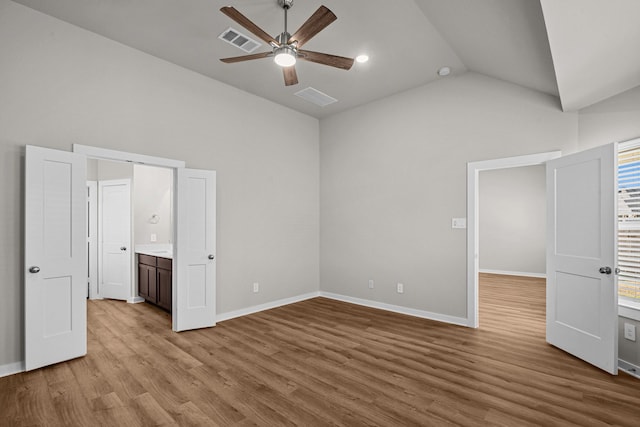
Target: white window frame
x,y
628,307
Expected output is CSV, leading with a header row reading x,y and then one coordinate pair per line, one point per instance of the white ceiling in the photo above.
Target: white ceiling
x,y
407,41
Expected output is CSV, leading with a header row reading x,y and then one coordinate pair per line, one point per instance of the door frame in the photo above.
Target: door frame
x,y
473,175
92,238
123,156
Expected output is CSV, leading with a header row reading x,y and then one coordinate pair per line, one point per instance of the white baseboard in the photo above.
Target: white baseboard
x,y
461,321
629,368
11,368
135,300
266,306
367,303
514,273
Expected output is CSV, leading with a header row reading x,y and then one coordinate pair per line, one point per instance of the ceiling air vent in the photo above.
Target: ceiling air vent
x,y
240,40
315,97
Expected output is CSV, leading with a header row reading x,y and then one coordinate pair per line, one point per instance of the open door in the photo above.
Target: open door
x,y
194,302
114,269
582,298
55,285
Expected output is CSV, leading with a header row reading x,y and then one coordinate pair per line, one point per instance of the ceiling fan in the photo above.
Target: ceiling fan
x,y
286,47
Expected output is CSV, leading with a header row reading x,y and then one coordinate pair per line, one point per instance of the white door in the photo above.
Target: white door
x,y
55,293
582,297
194,302
114,231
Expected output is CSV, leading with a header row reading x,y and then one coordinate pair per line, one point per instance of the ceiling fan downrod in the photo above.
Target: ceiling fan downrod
x,y
286,5
285,55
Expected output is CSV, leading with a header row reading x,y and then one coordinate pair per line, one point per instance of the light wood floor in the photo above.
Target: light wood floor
x,y
322,362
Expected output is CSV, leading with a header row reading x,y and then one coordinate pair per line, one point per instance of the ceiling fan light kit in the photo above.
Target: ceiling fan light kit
x,y
285,56
285,48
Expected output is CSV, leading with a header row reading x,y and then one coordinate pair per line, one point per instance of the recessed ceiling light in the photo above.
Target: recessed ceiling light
x,y
444,71
362,58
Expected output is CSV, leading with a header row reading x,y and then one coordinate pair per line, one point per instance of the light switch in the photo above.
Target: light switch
x,y
630,331
458,222
154,237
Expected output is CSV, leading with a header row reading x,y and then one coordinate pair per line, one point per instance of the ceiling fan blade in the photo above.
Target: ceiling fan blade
x,y
290,75
232,13
246,57
326,59
316,23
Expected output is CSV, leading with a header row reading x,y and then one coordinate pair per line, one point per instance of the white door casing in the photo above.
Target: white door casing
x,y
92,238
55,286
194,302
473,223
581,240
114,232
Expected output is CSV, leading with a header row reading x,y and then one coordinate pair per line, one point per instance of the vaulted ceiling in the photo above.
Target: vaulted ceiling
x,y
582,51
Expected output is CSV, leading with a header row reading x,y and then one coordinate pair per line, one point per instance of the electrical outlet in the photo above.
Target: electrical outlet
x,y
630,331
256,287
400,288
370,283
154,237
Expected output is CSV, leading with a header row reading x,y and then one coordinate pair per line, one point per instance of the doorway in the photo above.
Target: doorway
x,y
512,247
130,212
473,213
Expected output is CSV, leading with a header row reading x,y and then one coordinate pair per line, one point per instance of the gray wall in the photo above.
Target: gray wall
x,y
628,350
108,170
92,170
61,85
614,119
512,220
152,195
393,174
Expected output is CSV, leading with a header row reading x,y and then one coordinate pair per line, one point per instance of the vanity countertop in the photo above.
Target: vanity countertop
x,y
162,251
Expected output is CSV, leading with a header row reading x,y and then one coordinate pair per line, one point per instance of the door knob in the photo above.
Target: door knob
x,y
211,257
123,248
605,270
34,269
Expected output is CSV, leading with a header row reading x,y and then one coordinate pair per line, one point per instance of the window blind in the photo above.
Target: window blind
x,y
629,223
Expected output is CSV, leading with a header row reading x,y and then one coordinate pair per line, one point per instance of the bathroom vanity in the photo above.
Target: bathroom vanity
x,y
154,277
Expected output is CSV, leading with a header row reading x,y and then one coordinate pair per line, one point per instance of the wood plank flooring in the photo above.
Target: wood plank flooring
x,y
322,362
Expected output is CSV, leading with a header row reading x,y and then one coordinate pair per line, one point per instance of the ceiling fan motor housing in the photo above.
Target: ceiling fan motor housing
x,y
283,38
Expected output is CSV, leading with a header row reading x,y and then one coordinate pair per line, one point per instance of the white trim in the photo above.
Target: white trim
x,y
514,273
221,317
629,309
397,309
473,171
123,156
135,300
628,144
11,368
629,368
92,239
